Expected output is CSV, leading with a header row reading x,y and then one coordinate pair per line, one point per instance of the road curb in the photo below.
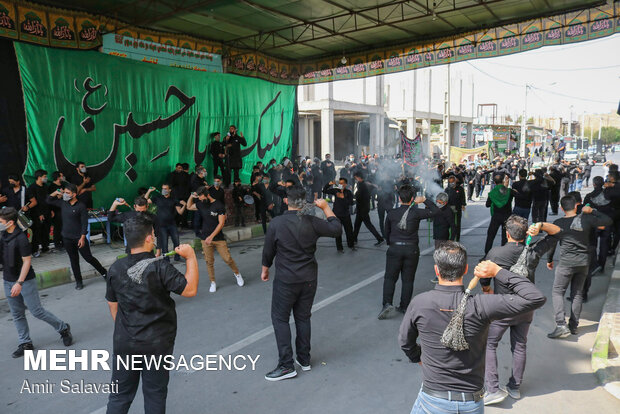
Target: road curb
x,y
605,359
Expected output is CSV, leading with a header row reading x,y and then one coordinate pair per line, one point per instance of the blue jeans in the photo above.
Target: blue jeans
x,y
425,404
578,184
29,298
521,211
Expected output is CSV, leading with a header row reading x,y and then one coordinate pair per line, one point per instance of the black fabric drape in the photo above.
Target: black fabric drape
x,y
13,146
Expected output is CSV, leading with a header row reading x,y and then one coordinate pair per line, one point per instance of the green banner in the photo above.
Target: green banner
x,y
131,122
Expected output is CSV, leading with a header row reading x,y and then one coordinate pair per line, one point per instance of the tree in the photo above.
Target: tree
x,y
609,135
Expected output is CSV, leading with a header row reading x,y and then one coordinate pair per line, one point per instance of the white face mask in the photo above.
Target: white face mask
x,y
165,192
3,227
83,170
44,180
67,197
217,184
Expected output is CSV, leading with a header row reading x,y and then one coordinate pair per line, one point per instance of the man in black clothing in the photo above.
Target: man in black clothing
x,y
385,200
479,181
554,195
329,170
20,283
362,198
140,205
457,202
238,193
599,201
574,259
443,223
218,155
343,200
197,180
522,193
455,379
291,240
17,195
216,191
470,178
507,256
587,172
74,229
58,180
179,184
500,203
167,207
401,259
82,181
145,319
39,214
233,144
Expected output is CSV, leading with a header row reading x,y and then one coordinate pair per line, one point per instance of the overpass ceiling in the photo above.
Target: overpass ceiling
x,y
309,30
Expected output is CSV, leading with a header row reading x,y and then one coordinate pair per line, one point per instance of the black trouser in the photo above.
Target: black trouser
x,y
400,261
555,199
263,217
40,234
564,275
348,231
298,298
381,212
616,233
154,389
162,241
235,173
219,165
458,215
586,180
605,237
239,219
470,191
56,221
539,211
360,218
497,221
71,245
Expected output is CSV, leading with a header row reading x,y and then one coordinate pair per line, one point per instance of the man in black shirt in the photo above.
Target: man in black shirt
x,y
500,202
403,254
522,193
82,181
238,193
213,215
507,256
457,202
343,200
197,180
454,380
443,222
218,155
17,195
39,214
167,207
20,283
140,205
291,241
329,170
179,184
74,229
574,259
145,320
362,198
216,190
56,217
233,144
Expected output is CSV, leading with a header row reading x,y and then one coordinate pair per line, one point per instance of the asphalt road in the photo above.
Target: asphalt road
x,y
357,364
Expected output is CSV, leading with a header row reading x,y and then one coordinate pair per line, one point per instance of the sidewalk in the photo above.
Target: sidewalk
x,y
605,359
54,269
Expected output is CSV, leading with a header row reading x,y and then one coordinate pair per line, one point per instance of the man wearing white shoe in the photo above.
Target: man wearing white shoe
x,y
213,214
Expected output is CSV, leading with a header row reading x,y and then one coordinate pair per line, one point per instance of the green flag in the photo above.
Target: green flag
x,y
131,122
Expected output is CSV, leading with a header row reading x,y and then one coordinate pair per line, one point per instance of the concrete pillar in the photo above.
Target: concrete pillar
x,y
303,136
327,132
330,91
470,135
377,133
411,124
455,129
380,85
310,142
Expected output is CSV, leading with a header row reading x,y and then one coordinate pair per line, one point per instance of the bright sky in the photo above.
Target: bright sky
x,y
588,73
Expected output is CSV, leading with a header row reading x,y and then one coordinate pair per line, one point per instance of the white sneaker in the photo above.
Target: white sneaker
x,y
239,278
303,367
213,287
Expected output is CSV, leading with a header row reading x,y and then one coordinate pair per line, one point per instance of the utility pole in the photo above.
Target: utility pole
x,y
445,148
523,126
